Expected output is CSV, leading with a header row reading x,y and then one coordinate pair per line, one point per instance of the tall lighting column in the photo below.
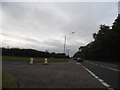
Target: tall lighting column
x,y
65,42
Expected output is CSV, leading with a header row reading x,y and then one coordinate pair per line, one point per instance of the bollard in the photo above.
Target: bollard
x,y
46,62
31,60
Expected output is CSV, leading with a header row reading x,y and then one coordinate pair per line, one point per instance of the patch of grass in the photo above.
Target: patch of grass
x,y
56,60
26,59
8,80
11,58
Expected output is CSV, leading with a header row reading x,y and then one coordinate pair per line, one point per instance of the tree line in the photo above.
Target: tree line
x,y
30,53
105,46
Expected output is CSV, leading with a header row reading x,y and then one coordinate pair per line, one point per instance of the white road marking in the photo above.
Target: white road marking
x,y
77,63
109,68
105,67
94,63
102,81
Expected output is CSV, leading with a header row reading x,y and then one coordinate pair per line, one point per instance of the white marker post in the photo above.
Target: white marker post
x,y
31,60
46,62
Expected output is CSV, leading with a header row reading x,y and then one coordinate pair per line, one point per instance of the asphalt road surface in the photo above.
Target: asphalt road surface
x,y
108,72
54,75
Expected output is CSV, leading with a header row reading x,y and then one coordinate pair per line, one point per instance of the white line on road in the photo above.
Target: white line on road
x,y
105,67
102,81
109,68
94,63
77,63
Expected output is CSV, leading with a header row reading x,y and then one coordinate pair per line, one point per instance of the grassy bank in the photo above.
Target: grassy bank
x,y
26,59
8,80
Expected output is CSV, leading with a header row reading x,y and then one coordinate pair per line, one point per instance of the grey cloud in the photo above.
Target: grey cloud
x,y
54,43
119,7
44,25
27,39
14,10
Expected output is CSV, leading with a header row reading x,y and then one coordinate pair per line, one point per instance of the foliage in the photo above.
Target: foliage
x,y
105,45
30,53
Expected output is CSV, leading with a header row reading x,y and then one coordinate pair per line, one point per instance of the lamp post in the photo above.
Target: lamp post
x,y
65,42
68,52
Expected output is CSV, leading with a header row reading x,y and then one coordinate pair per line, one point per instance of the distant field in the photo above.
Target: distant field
x,y
26,59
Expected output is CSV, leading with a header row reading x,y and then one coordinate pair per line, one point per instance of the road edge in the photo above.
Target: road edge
x,y
100,80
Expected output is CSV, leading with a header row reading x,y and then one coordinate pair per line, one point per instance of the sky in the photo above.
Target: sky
x,y
44,25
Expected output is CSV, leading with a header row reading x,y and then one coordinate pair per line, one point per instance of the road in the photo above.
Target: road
x,y
109,73
54,75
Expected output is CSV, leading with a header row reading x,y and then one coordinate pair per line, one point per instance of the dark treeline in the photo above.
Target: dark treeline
x,y
105,46
30,53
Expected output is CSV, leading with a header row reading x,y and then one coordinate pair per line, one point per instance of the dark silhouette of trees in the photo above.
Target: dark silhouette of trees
x,y
30,53
105,46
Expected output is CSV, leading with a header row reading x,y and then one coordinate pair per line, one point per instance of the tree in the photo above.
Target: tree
x,y
105,45
30,53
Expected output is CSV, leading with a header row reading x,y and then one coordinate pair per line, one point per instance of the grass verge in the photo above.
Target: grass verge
x,y
26,59
8,80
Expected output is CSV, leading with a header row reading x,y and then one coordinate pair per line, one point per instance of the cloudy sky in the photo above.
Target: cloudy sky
x,y
43,25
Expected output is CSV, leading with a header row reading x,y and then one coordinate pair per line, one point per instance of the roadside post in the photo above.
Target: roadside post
x,y
31,61
46,61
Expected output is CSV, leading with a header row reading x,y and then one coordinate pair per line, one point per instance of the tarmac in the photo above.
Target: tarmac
x,y
54,75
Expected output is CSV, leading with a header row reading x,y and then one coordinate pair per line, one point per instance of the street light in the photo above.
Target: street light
x,y
65,41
